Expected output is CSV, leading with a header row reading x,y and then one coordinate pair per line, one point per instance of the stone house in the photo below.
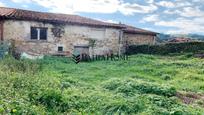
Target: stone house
x,y
40,33
179,40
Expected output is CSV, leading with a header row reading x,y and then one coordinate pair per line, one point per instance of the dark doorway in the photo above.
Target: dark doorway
x,y
81,49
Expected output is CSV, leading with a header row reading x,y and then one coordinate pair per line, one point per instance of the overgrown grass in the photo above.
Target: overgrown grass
x,y
144,84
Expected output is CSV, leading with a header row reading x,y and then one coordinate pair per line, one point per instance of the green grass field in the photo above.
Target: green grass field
x,y
144,85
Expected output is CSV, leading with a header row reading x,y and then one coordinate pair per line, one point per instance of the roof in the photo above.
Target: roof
x,y
134,30
19,14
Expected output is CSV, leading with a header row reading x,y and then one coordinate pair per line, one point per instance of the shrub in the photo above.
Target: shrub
x,y
53,100
67,83
24,66
130,87
163,102
121,106
156,89
112,84
167,48
166,77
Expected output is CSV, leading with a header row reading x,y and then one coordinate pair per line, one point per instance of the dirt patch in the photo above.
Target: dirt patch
x,y
191,98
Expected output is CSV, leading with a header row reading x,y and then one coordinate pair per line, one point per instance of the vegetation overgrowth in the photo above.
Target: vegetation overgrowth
x,y
144,84
168,48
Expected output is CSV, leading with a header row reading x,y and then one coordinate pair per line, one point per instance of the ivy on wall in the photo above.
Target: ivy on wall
x,y
92,42
58,31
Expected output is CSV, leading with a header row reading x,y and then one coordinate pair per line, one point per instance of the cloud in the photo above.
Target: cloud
x,y
130,9
21,1
93,6
191,12
149,1
167,4
187,12
73,6
2,4
109,21
151,18
112,21
174,4
183,25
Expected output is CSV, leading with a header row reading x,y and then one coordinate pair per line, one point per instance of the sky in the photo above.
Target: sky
x,y
163,16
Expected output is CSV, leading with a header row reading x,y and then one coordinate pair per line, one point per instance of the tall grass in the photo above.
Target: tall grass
x,y
144,84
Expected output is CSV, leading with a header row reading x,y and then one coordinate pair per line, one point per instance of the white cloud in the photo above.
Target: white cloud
x,y
191,12
112,21
21,1
2,4
151,18
167,4
73,6
183,25
149,1
171,12
109,21
93,6
175,4
130,9
187,12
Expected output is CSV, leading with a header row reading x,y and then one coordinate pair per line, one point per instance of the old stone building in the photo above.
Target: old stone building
x,y
137,36
54,34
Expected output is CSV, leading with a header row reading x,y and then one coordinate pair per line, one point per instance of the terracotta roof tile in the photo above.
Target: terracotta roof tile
x,y
134,30
11,13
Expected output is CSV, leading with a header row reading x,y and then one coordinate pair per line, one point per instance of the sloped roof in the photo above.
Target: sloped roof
x,y
134,30
19,14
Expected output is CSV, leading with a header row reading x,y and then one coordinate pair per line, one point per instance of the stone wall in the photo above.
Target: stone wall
x,y
68,37
139,39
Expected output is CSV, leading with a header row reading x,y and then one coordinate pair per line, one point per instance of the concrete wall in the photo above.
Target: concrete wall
x,y
139,39
71,35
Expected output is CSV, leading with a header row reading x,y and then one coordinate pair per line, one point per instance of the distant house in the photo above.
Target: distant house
x,y
180,40
50,33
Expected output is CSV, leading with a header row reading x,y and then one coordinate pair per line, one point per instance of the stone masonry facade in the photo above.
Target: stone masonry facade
x,y
139,39
106,39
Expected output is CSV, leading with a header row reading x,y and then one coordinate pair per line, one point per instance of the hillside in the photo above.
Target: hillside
x,y
165,37
144,84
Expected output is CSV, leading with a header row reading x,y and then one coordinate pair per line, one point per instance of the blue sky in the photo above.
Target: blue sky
x,y
164,16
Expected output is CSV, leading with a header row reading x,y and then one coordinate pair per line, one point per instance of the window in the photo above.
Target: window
x,y
60,49
38,33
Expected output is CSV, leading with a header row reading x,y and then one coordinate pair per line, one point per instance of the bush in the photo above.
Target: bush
x,y
24,66
129,87
53,100
164,49
155,89
121,106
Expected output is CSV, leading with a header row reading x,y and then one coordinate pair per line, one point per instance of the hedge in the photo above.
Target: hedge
x,y
163,49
